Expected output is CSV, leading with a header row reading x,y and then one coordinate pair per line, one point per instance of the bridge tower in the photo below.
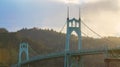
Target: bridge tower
x,y
73,25
23,49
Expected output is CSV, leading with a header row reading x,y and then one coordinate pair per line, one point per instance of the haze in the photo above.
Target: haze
x,y
100,15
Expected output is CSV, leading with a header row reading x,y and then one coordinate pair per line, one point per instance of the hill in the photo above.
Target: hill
x,y
48,41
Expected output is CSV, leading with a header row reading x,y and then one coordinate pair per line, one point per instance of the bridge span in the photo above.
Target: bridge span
x,y
62,54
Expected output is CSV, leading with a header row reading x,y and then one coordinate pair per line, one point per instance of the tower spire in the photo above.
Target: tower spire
x,y
67,12
79,14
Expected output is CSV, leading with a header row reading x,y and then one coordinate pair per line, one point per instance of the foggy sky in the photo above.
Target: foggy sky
x,y
101,15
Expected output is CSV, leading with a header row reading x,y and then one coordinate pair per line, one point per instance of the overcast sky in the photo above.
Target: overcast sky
x,y
103,16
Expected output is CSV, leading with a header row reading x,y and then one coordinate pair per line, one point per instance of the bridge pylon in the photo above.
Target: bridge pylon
x,y
73,25
23,49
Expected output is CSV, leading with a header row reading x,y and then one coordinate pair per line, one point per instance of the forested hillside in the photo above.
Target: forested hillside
x,y
48,41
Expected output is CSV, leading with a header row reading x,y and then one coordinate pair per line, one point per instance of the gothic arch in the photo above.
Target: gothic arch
x,y
23,49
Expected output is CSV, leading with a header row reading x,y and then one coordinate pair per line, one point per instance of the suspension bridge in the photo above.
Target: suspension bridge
x,y
71,58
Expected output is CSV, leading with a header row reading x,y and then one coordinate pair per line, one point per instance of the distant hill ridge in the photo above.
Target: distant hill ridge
x,y
44,41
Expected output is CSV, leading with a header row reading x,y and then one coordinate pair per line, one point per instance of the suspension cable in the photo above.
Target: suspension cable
x,y
33,50
112,51
95,32
84,34
91,30
62,27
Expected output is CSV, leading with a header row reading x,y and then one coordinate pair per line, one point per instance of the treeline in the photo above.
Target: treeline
x,y
45,41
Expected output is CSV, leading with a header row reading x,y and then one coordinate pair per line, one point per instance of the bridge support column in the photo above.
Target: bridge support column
x,y
23,48
73,61
66,60
73,25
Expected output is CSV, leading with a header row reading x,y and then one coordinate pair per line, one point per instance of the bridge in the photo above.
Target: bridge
x,y
71,58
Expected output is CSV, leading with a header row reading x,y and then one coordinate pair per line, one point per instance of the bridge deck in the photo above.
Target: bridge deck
x,y
62,54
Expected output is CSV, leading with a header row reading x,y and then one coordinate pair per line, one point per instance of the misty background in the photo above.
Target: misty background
x,y
100,15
